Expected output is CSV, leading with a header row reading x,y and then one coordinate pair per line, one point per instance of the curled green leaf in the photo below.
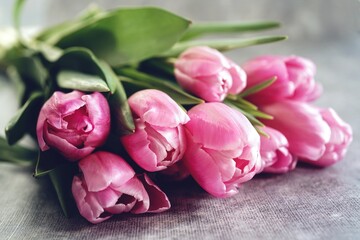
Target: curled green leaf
x,y
199,29
81,81
257,88
61,179
16,153
140,79
221,44
26,116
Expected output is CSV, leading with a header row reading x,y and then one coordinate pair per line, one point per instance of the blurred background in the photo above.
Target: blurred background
x,y
301,19
326,31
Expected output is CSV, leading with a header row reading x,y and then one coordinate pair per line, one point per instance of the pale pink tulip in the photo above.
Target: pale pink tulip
x,y
208,74
73,123
302,125
222,148
340,139
107,185
274,152
295,78
158,140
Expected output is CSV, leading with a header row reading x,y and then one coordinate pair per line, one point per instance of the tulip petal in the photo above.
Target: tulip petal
x,y
302,125
239,78
198,67
103,168
71,152
107,197
157,108
159,202
136,189
210,119
205,171
99,114
137,146
87,202
205,53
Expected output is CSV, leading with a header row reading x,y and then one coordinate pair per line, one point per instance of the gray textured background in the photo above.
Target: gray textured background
x,y
307,203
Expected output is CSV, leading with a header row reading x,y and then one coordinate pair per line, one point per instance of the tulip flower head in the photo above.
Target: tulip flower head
x,y
295,79
222,148
274,152
340,139
158,140
73,123
302,125
108,185
208,74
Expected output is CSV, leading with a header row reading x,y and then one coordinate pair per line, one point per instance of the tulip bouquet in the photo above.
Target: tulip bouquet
x,y
117,98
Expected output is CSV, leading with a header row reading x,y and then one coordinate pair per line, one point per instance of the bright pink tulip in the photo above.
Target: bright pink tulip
x,y
222,148
295,78
108,185
73,123
208,74
341,137
158,140
302,125
274,152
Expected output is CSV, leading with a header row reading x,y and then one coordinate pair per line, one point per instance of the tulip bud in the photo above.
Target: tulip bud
x,y
222,148
108,185
208,74
340,139
73,123
295,79
158,140
274,152
302,125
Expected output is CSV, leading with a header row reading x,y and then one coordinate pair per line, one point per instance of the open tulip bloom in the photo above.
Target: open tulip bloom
x,y
112,113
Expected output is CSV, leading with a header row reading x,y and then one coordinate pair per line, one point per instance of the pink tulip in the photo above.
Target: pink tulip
x,y
340,139
208,74
158,140
108,185
295,78
274,152
73,123
302,125
222,148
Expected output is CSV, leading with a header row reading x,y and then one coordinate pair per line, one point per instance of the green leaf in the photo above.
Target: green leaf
x,y
80,81
16,153
26,116
18,6
259,114
221,44
198,29
147,81
257,88
119,107
32,71
126,36
61,179
241,102
54,33
47,161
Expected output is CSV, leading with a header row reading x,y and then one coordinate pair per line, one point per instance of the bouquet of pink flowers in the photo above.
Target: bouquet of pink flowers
x,y
117,98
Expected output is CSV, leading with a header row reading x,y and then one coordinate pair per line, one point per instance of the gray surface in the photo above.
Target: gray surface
x,y
307,203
